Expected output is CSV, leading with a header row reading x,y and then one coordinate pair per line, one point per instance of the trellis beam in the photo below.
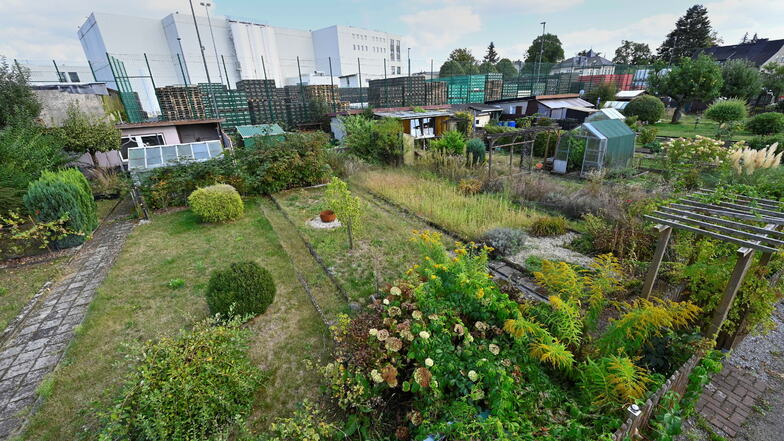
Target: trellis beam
x,y
665,232
724,237
721,221
699,223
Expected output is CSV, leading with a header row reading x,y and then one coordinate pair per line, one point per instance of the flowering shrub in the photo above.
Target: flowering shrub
x,y
699,150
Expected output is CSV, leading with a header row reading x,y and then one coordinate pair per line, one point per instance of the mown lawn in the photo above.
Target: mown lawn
x,y
441,202
19,285
134,304
686,128
383,250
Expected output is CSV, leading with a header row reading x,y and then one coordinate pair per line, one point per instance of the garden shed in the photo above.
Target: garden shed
x,y
609,144
250,132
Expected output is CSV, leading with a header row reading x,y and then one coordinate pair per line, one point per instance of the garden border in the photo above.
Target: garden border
x,y
517,267
311,249
640,416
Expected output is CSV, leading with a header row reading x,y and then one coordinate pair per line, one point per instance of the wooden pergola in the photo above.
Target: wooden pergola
x,y
522,137
751,223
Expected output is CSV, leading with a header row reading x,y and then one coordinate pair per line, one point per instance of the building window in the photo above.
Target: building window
x,y
398,70
397,49
74,76
392,50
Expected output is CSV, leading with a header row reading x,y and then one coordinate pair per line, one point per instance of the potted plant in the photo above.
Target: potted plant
x,y
327,216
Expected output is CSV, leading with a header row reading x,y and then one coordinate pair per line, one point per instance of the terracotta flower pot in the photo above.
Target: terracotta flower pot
x,y
327,216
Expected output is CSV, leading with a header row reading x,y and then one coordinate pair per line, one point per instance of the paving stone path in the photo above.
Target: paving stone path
x,y
36,341
729,398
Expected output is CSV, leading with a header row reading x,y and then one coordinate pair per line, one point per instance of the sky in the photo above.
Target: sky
x,y
45,30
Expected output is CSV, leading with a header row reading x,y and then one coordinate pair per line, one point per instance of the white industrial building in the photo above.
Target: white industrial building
x,y
234,50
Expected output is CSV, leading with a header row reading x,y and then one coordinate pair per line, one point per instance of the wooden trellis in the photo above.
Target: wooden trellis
x,y
752,223
523,137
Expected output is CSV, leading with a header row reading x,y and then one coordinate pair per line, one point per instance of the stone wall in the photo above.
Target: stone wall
x,y
54,105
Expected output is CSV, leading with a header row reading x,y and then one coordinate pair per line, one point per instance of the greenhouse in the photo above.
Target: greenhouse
x,y
144,158
609,144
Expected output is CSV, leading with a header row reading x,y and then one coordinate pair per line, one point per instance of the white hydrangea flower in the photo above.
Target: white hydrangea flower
x,y
429,362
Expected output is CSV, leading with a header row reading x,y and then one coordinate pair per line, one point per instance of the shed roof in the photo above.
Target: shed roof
x,y
609,128
181,122
619,105
629,94
410,114
259,130
559,103
606,113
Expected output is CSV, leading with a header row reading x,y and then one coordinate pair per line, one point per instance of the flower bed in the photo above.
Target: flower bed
x,y
446,352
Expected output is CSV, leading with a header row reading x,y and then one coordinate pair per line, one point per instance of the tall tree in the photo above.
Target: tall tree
x,y
491,56
630,52
773,79
741,80
487,67
550,47
17,101
449,68
692,79
463,58
507,68
692,32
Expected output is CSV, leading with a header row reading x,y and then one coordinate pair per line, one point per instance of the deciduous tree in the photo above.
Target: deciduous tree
x,y
692,79
630,52
17,100
741,80
552,51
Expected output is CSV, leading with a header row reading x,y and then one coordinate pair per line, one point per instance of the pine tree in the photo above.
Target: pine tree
x,y
692,32
492,55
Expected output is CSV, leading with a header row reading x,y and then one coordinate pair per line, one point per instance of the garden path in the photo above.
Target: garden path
x,y
37,339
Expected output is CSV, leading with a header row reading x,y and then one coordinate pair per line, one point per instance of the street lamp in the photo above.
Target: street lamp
x,y
541,52
212,35
187,73
203,58
409,62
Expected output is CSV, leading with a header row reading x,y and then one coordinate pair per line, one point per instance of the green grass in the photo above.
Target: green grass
x,y
382,244
135,304
18,285
105,207
686,128
439,201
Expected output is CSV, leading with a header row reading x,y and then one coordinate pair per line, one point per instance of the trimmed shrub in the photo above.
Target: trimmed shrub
x,y
476,150
728,110
216,203
507,241
65,192
647,108
763,142
766,123
548,226
647,135
244,288
191,387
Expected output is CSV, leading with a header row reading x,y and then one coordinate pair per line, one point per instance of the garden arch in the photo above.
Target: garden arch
x,y
522,137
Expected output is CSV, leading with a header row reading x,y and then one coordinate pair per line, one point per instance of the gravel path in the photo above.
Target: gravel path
x,y
551,248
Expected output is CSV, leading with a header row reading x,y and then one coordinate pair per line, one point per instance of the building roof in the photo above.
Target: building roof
x,y
477,107
410,114
582,109
182,122
619,105
591,59
758,52
628,95
260,130
609,128
559,103
606,113
535,97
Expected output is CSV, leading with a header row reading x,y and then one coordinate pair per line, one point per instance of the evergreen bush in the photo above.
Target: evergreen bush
x,y
507,241
244,288
216,203
766,123
726,111
65,192
647,108
476,149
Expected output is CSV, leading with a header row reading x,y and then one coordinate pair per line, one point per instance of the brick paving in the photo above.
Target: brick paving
x,y
34,345
729,398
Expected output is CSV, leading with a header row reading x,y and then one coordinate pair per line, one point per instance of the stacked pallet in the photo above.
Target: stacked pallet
x,y
436,93
353,94
231,105
266,103
465,89
398,92
180,102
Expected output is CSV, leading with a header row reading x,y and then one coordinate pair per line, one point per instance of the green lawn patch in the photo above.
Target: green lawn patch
x,y
135,303
19,285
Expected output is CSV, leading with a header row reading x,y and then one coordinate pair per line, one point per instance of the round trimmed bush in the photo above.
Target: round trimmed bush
x,y
766,123
245,285
507,241
647,108
216,203
729,110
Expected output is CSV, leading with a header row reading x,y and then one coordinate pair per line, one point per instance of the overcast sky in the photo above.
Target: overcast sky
x,y
46,29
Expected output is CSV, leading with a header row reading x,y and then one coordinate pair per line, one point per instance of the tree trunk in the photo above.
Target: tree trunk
x,y
676,115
